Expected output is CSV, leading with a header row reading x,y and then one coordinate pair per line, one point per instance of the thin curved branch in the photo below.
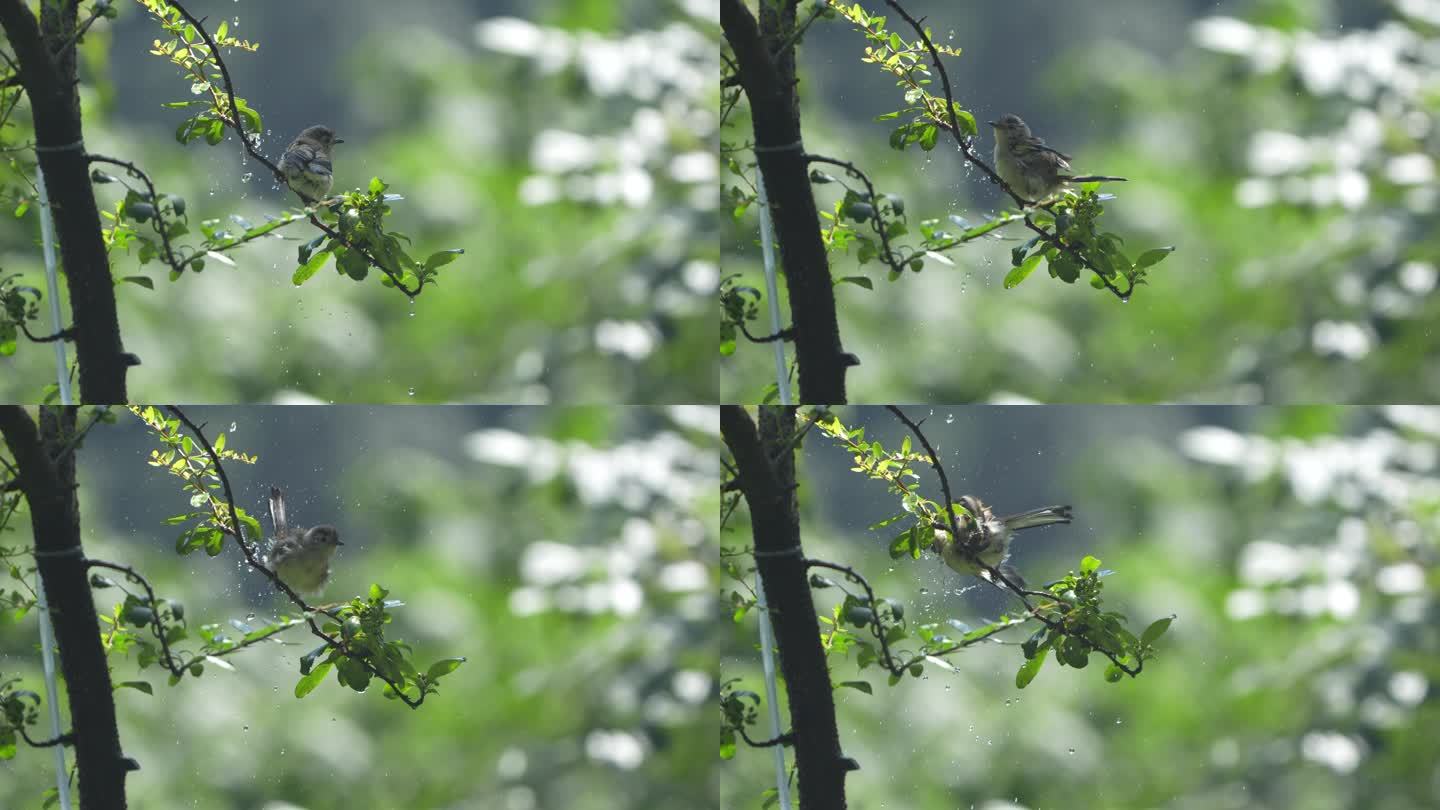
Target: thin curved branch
x,y
783,334
967,148
784,739
876,218
68,738
237,123
254,562
876,627
156,222
63,334
157,626
994,571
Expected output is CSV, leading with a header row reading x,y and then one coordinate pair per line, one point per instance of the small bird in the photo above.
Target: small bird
x,y
986,538
300,557
306,165
1030,167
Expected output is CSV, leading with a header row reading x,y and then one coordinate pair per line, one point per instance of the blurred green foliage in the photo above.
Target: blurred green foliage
x,y
558,550
1286,148
570,151
1298,546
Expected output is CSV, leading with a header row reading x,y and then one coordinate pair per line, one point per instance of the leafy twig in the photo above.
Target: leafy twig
x,y
331,642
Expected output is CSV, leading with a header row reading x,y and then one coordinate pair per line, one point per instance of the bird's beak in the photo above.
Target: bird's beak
x,y
993,123
339,140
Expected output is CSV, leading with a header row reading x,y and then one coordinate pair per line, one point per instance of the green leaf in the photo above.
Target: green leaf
x,y
1031,646
440,258
966,121
443,667
1019,274
377,593
1089,564
902,543
1074,652
354,674
1065,268
860,686
1156,629
307,661
310,268
1030,669
213,540
308,248
1153,257
1017,254
307,684
352,263
377,186
858,281
929,135
1113,674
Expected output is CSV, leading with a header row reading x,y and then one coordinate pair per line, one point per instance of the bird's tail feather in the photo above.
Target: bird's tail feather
x,y
1097,178
1037,517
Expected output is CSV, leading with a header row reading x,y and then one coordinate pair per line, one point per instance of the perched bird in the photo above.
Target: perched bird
x,y
985,539
306,165
1030,167
300,557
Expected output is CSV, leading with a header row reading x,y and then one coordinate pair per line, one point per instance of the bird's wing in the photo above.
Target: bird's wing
x,y
1052,150
277,512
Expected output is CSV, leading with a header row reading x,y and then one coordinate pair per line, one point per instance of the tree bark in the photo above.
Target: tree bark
x,y
47,480
51,84
766,464
774,109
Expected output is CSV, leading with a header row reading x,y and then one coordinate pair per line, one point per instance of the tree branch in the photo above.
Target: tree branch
x,y
254,562
236,122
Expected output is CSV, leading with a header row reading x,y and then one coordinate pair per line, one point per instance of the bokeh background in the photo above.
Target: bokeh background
x,y
1286,147
562,551
1297,548
567,145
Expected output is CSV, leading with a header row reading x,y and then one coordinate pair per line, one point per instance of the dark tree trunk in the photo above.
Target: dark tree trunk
x,y
766,464
769,83
51,84
46,462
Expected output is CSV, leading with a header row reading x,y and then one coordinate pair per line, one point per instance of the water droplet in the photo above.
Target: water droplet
x,y
1072,751
233,428
411,392
245,178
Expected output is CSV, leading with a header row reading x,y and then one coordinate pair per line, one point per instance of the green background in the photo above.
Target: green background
x,y
560,550
1296,548
566,145
1285,147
